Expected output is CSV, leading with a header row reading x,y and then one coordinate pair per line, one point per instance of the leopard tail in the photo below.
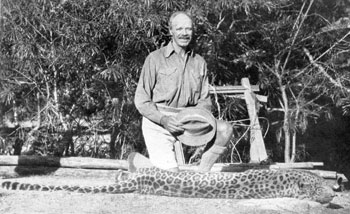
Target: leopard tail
x,y
113,188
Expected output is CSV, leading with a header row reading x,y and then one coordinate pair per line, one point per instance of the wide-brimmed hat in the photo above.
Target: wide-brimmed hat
x,y
199,125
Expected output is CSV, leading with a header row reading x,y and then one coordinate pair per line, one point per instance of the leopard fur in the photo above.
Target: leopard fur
x,y
243,185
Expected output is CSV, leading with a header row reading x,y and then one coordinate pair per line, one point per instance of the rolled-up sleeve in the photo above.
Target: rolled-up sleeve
x,y
204,100
143,94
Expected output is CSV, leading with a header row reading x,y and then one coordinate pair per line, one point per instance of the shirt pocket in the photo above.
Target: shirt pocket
x,y
168,78
195,82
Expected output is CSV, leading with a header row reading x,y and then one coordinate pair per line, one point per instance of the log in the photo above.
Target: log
x,y
219,167
66,162
240,167
17,166
330,174
231,89
94,163
316,163
298,165
20,171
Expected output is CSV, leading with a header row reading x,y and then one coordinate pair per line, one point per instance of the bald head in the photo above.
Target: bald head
x,y
181,29
181,14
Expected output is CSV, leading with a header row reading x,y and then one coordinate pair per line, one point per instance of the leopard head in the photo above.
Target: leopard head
x,y
315,188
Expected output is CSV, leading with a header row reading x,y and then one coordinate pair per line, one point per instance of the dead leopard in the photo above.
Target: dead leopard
x,y
243,185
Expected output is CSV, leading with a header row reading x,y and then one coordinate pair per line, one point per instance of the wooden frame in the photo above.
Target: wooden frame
x,y
245,91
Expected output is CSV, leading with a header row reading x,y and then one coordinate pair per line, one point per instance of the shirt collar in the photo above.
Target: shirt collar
x,y
170,49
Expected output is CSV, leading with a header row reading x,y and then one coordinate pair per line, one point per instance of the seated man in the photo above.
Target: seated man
x,y
174,78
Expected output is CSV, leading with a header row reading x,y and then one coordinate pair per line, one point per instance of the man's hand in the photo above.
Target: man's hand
x,y
171,124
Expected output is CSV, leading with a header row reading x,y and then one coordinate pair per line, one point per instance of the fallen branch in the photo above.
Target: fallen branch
x,y
66,162
240,167
18,166
330,174
20,171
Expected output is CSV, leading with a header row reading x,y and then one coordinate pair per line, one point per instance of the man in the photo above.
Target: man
x,y
173,78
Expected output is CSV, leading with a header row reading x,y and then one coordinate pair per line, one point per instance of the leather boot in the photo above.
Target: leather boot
x,y
209,157
136,161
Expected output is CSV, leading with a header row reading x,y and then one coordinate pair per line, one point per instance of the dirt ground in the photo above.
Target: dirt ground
x,y
18,202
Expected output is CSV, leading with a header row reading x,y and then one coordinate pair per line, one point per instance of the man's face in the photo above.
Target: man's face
x,y
181,30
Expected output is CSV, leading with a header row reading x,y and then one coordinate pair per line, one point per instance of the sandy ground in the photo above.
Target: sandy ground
x,y
66,202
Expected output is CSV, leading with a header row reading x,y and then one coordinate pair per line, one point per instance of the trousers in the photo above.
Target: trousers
x,y
159,141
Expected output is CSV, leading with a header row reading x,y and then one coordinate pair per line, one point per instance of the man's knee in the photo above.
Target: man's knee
x,y
224,132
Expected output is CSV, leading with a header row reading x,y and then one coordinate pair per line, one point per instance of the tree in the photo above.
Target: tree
x,y
72,66
296,90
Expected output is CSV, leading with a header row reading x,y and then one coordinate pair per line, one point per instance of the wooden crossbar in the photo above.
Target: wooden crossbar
x,y
245,91
231,89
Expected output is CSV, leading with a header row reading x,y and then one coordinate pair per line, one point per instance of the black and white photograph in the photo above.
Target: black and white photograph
x,y
174,106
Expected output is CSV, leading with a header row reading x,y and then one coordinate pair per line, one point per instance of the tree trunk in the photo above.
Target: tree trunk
x,y
117,114
1,20
286,124
294,142
114,135
294,138
15,112
25,146
67,141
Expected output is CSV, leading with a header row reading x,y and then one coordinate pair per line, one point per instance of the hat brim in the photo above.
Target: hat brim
x,y
189,138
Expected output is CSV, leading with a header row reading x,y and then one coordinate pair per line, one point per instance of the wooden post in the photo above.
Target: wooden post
x,y
179,153
257,146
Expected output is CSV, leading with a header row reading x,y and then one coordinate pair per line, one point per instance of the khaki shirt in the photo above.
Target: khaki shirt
x,y
167,79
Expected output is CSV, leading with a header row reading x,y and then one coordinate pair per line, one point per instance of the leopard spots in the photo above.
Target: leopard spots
x,y
169,180
248,184
203,184
177,181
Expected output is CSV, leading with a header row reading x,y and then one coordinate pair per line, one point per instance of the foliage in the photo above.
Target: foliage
x,y
73,65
